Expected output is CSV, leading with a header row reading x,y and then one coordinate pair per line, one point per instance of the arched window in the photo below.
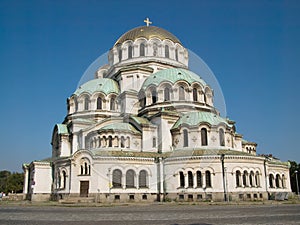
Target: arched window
x,y
129,52
204,137
222,137
155,48
245,175
110,141
86,103
195,95
277,181
204,96
142,100
86,169
181,93
238,178
81,170
142,49
167,51
283,181
251,179
58,181
185,138
257,180
76,105
176,54
130,179
181,179
112,103
120,54
271,179
154,142
199,179
99,103
167,94
64,179
154,96
117,178
143,179
190,179
208,178
99,142
122,142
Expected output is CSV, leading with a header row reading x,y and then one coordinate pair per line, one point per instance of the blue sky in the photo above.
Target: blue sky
x,y
253,48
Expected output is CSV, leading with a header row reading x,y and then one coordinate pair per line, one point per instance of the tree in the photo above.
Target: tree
x,y
11,182
294,166
3,180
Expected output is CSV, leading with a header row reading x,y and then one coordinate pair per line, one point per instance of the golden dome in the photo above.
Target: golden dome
x,y
147,32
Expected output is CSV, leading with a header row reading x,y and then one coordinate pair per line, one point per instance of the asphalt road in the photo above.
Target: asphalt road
x,y
154,214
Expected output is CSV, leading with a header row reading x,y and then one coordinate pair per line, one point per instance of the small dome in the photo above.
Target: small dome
x,y
147,32
104,85
172,75
196,118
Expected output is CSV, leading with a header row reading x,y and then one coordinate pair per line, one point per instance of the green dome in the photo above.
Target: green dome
x,y
122,127
104,85
62,129
172,75
196,118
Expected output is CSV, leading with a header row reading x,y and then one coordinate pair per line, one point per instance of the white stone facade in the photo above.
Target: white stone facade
x,y
146,129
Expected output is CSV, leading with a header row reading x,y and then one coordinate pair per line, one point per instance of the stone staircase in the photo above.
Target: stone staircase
x,y
76,200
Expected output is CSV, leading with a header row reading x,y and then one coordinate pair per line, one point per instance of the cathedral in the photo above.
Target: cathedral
x,y
146,129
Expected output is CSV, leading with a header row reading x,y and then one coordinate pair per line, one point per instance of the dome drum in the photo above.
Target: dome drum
x,y
96,94
175,87
163,45
114,136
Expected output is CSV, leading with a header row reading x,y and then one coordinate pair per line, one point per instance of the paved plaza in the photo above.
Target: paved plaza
x,y
154,214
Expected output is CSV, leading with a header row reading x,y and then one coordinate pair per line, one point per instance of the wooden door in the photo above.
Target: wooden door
x,y
84,188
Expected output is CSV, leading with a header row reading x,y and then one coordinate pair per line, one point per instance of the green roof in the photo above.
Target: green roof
x,y
172,75
244,142
196,118
141,120
120,127
62,129
104,85
49,159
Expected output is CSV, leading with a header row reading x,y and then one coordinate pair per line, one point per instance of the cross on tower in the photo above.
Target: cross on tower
x,y
147,21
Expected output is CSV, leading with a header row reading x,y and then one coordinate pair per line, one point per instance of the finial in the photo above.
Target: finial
x,y
147,21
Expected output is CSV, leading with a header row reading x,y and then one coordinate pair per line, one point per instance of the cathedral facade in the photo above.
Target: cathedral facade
x,y
146,129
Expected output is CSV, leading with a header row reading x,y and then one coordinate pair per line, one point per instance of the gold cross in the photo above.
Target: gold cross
x,y
147,21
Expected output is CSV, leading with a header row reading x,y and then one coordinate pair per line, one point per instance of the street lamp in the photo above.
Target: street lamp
x,y
223,173
226,182
297,185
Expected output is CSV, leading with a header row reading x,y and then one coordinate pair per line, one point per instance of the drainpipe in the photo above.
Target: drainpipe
x,y
223,175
